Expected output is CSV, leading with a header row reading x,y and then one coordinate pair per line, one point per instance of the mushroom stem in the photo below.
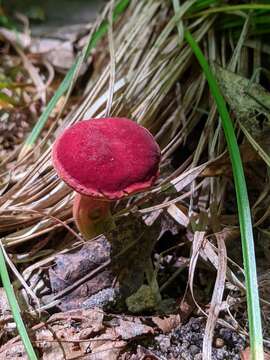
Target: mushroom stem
x,y
92,216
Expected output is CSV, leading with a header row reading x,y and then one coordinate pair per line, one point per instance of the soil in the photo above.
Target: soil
x,y
185,342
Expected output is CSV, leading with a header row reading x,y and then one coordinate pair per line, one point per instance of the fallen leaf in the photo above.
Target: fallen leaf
x,y
79,333
129,329
72,266
245,99
89,293
14,352
167,323
108,350
91,319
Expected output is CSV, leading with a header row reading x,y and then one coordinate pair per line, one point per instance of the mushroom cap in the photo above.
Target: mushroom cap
x,y
107,157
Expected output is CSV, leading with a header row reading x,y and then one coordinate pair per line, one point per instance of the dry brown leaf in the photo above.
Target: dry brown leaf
x,y
14,352
129,329
167,323
52,350
76,333
107,349
72,266
90,319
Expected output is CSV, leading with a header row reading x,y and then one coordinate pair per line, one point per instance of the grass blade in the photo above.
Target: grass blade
x,y
253,305
68,79
15,308
231,8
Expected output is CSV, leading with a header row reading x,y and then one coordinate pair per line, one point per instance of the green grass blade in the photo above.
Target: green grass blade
x,y
253,304
68,79
231,8
15,308
202,4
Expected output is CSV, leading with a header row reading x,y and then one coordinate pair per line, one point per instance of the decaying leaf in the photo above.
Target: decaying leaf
x,y
167,323
103,350
14,352
249,101
80,333
131,329
69,267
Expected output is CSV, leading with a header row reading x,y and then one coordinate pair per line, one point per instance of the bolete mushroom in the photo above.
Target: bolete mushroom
x,y
104,160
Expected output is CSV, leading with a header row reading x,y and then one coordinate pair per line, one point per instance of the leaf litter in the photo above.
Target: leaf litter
x,y
138,70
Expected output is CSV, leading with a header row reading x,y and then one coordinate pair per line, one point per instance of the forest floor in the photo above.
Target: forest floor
x,y
67,287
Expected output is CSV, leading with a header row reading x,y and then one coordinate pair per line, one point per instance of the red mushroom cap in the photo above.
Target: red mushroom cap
x,y
107,158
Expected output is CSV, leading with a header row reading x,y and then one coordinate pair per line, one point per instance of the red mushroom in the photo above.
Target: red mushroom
x,y
104,160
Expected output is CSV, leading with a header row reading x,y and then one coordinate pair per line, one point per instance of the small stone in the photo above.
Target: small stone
x,y
221,354
219,343
164,342
196,326
194,349
226,334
